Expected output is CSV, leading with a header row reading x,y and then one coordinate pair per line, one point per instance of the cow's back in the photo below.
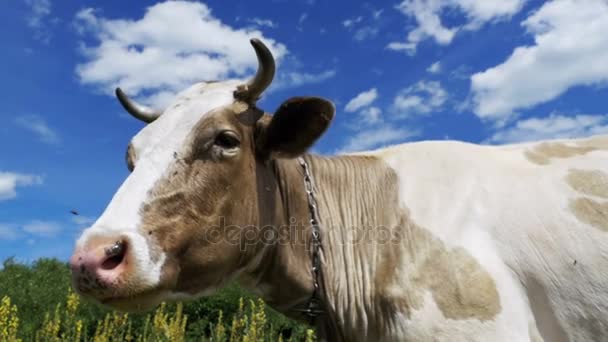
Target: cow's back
x,y
535,216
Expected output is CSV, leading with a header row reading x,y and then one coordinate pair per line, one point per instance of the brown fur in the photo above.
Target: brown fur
x,y
591,212
587,210
543,153
589,182
204,212
130,158
460,286
597,142
192,209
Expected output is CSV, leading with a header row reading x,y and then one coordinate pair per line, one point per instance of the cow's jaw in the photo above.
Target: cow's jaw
x,y
140,281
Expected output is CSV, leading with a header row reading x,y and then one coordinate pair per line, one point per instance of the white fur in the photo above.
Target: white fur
x,y
513,216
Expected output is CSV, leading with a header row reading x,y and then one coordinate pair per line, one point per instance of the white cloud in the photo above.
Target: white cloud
x,y
371,115
570,49
295,79
376,14
555,126
40,10
462,72
434,68
8,232
263,22
427,14
421,98
377,137
38,126
363,99
409,48
366,32
42,228
86,21
348,23
9,181
175,44
301,20
83,220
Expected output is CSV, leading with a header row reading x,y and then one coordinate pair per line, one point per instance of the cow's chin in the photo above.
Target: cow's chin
x,y
136,303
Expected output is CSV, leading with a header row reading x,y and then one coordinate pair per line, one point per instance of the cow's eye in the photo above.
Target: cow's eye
x,y
227,139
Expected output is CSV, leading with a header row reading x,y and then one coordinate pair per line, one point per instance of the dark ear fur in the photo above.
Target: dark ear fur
x,y
294,127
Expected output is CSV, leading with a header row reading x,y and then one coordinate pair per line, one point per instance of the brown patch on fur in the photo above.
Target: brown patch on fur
x,y
130,157
599,142
589,182
543,153
591,212
460,286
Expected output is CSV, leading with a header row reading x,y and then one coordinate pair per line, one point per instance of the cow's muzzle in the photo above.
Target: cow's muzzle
x,y
99,269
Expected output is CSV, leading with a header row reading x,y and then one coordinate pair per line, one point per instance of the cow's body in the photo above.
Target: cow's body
x,y
533,216
447,241
430,241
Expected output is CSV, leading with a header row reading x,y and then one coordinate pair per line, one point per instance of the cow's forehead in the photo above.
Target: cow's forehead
x,y
184,112
155,147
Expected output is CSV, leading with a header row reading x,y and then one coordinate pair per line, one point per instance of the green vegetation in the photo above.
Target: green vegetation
x,y
37,304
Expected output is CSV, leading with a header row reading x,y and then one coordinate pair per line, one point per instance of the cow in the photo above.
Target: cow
x,y
423,241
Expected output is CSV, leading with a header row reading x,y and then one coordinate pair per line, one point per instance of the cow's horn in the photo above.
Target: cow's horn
x,y
141,112
263,77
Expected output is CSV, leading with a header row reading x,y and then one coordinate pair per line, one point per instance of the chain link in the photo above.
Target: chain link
x,y
314,309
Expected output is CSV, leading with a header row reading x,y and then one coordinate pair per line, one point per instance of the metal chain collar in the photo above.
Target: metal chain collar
x,y
314,309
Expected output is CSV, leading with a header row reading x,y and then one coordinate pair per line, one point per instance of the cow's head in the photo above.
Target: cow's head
x,y
194,170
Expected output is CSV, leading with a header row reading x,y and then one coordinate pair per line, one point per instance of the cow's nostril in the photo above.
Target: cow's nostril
x,y
115,255
111,263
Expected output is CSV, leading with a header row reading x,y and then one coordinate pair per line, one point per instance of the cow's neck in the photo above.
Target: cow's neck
x,y
357,197
280,271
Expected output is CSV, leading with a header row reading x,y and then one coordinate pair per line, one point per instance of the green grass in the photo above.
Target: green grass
x,y
37,304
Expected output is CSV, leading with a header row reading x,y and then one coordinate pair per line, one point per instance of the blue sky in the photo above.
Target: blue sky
x,y
492,72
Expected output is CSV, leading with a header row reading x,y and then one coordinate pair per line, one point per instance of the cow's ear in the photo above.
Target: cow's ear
x,y
294,127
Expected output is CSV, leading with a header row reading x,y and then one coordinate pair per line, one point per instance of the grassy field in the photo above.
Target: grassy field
x,y
37,304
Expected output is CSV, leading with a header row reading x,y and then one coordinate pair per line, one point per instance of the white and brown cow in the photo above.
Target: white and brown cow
x,y
429,241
